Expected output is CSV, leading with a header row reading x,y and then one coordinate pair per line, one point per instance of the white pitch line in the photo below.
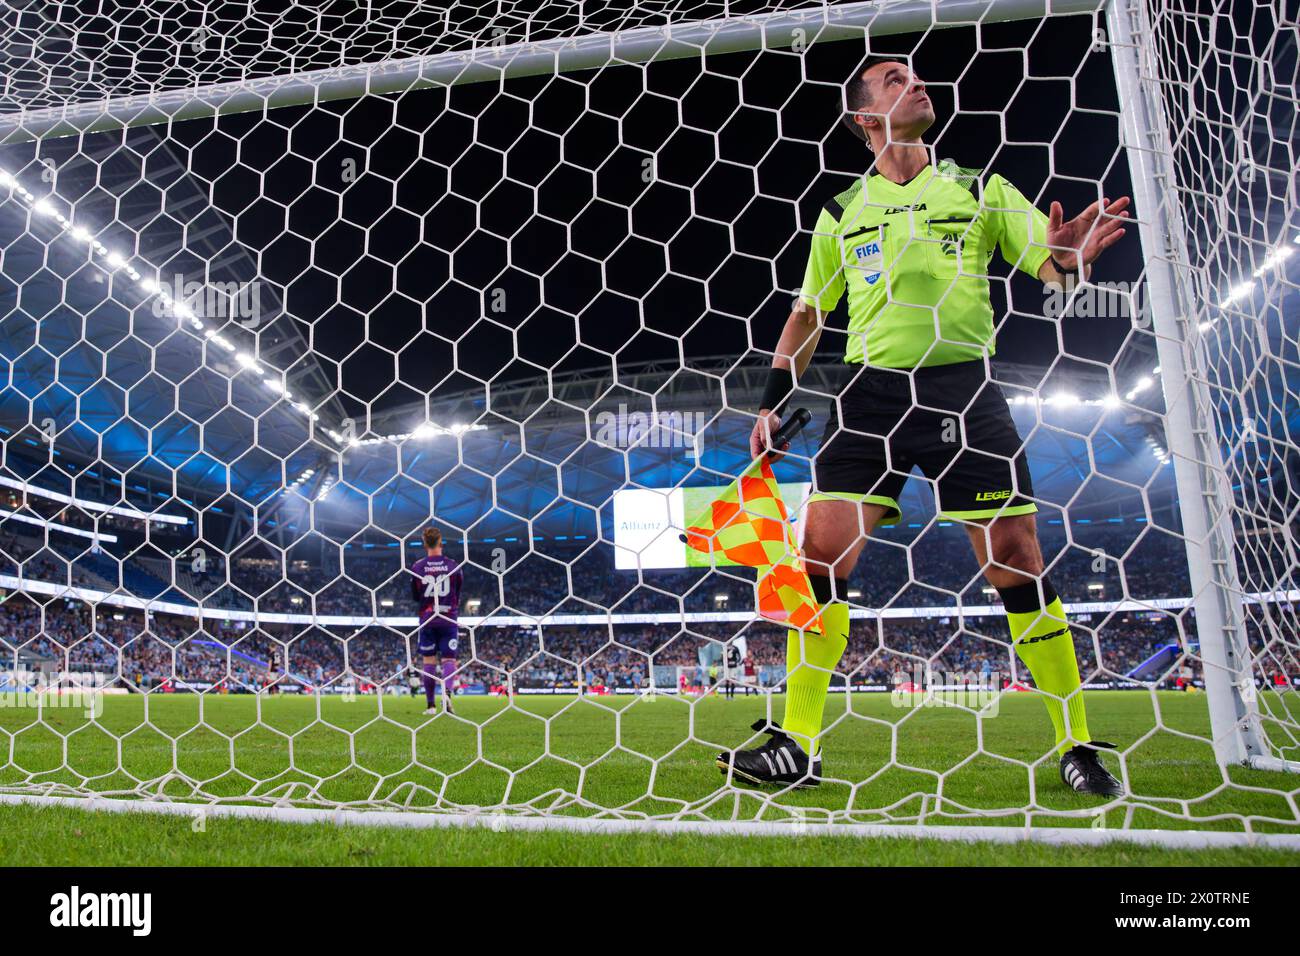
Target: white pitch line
x,y
499,822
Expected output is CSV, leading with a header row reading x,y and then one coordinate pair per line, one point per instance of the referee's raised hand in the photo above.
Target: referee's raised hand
x,y
1084,238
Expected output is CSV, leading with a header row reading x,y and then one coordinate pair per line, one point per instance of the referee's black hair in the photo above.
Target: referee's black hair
x,y
857,95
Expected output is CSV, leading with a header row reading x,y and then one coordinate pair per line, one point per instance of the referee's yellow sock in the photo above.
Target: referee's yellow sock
x,y
809,660
1042,639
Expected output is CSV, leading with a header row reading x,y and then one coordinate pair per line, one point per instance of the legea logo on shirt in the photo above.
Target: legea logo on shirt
x,y
869,258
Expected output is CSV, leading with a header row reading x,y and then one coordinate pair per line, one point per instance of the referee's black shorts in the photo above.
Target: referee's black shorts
x,y
949,420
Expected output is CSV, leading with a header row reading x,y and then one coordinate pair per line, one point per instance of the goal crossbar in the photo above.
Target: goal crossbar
x,y
501,61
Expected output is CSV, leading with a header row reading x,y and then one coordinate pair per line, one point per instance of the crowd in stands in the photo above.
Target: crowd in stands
x,y
171,651
535,584
499,579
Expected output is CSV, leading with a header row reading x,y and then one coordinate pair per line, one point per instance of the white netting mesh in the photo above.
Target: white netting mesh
x,y
250,356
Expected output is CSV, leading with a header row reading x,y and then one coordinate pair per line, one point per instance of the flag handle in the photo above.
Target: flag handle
x,y
793,426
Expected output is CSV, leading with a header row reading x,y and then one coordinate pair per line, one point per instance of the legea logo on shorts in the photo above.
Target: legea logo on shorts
x,y
992,495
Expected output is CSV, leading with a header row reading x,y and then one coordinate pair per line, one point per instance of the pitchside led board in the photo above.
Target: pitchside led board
x,y
648,523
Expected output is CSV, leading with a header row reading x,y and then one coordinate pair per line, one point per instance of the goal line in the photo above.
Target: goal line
x,y
610,826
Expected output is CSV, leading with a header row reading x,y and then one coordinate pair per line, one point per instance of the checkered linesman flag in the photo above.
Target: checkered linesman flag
x,y
748,524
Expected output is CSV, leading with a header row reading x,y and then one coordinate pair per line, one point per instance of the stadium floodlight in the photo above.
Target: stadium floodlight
x,y
474,327
1276,257
30,490
1237,293
96,536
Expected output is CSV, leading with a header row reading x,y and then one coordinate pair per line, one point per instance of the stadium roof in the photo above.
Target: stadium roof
x,y
534,457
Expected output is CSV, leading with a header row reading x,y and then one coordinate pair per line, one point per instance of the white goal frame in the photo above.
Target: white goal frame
x,y
1202,480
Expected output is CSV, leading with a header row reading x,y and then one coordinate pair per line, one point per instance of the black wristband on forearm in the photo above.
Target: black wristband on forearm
x,y
1060,268
780,383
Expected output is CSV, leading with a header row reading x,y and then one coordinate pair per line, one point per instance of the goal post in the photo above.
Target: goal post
x,y
1178,314
1181,316
201,511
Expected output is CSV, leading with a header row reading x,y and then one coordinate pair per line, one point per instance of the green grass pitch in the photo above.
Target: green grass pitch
x,y
641,756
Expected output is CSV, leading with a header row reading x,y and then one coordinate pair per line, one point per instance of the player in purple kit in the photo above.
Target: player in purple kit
x,y
435,586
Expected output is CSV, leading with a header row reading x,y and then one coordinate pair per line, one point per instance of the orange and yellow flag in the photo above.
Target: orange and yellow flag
x,y
748,524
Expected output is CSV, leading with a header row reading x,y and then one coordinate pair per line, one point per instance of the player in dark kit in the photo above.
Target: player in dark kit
x,y
435,586
734,657
910,243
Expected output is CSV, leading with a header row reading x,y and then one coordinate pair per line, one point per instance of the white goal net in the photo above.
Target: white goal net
x,y
282,289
